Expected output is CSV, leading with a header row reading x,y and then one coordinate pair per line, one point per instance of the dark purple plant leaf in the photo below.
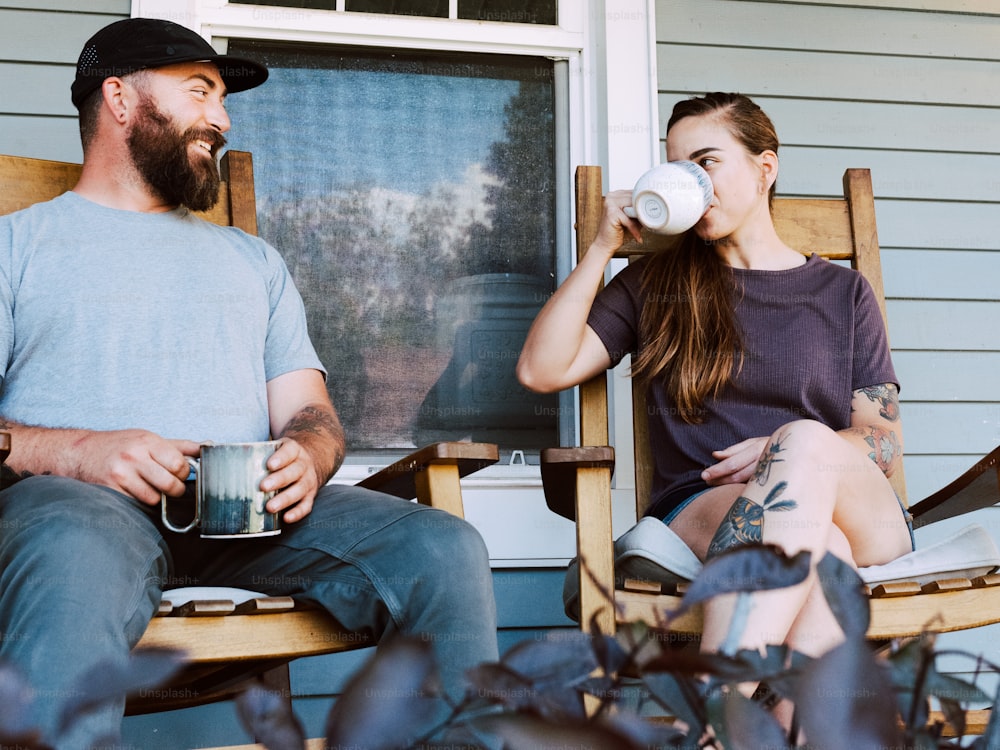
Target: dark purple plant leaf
x,y
947,687
496,684
688,662
532,733
990,738
545,676
906,671
783,682
845,700
642,732
954,714
268,717
390,702
844,591
564,656
749,568
744,666
145,669
604,688
610,652
742,724
682,697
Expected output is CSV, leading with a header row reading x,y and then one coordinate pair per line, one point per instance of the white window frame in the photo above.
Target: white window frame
x,y
610,79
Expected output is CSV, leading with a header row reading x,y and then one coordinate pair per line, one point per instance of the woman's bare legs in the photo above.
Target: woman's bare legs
x,y
814,491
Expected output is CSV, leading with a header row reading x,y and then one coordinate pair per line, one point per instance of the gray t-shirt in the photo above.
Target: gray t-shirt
x,y
812,335
115,319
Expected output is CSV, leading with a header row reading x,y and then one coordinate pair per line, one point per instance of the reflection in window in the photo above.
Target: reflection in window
x,y
412,198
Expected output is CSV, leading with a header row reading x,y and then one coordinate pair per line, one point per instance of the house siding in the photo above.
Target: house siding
x,y
41,41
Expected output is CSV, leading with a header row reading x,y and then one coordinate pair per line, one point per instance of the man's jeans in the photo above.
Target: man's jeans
x,y
82,568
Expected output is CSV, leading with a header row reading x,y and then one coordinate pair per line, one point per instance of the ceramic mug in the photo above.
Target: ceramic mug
x,y
229,503
672,197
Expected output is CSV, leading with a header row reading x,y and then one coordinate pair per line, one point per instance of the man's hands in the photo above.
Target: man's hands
x,y
313,444
294,477
134,462
143,465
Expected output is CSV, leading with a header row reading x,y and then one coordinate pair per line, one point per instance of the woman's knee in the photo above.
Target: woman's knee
x,y
812,446
804,434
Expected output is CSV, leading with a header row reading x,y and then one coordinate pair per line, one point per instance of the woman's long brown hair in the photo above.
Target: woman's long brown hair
x,y
691,340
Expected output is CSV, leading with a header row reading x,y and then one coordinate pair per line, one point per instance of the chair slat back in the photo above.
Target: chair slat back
x,y
25,181
834,228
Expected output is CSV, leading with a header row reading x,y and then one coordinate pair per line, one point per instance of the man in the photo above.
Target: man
x,y
131,332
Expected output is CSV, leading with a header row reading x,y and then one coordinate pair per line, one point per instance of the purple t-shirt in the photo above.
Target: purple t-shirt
x,y
812,336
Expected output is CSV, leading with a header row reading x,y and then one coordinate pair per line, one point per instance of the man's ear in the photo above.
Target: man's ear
x,y
117,98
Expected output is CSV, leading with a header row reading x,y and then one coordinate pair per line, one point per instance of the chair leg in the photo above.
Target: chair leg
x,y
278,680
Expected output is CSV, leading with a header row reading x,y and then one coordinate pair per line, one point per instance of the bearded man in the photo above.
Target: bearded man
x,y
132,332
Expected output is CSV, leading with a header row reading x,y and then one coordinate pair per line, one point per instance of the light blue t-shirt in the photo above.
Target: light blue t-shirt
x,y
115,319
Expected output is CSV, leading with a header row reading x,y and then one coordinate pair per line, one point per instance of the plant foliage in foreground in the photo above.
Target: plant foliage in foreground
x,y
588,689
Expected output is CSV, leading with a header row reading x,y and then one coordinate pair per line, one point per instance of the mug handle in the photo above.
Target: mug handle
x,y
193,463
630,212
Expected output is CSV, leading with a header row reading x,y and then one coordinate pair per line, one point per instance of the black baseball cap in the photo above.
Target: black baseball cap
x,y
140,43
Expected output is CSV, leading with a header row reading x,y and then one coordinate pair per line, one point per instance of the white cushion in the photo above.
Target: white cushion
x,y
967,553
650,551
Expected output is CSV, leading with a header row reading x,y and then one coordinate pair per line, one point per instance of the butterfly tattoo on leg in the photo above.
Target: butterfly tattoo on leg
x,y
744,524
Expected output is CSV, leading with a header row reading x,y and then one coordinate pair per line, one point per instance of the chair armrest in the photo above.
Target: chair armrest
x,y
400,478
977,488
559,470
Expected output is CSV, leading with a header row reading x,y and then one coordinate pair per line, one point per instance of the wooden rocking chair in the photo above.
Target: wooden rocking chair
x,y
228,640
577,480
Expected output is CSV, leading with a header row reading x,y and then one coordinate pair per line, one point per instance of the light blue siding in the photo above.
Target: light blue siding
x,y
41,41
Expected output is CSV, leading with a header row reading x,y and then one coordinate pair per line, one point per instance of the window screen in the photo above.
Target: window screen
x,y
412,198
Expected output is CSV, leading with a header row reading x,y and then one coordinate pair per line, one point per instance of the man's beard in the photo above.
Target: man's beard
x,y
161,154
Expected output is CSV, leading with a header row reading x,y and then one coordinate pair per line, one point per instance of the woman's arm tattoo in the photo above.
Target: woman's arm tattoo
x,y
885,447
887,397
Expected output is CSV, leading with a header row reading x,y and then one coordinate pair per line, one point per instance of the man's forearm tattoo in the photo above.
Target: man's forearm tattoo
x,y
313,421
744,524
325,426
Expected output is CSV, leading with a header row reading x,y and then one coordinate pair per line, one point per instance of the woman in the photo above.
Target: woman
x,y
772,397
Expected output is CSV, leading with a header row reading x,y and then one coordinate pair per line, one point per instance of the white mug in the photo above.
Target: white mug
x,y
672,197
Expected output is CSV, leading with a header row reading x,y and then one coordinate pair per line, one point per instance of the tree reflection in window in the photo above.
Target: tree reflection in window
x,y
412,198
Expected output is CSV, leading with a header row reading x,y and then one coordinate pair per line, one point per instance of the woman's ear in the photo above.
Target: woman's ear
x,y
768,169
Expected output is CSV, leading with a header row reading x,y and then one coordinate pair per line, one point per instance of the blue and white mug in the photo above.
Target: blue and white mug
x,y
229,503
